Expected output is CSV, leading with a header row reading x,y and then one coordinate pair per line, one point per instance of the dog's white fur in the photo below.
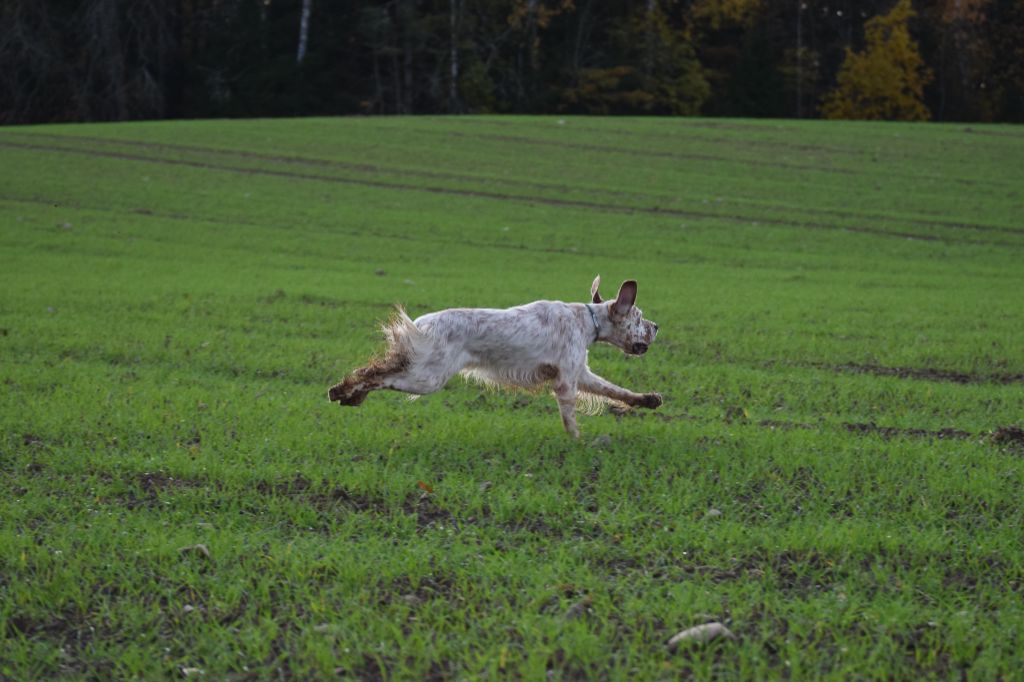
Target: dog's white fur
x,y
525,347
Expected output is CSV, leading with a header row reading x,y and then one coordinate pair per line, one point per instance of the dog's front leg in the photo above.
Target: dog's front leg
x,y
565,394
591,383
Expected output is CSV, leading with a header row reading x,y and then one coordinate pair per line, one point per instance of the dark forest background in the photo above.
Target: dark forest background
x,y
100,60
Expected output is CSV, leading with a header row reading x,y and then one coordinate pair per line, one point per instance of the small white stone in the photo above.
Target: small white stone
x,y
702,634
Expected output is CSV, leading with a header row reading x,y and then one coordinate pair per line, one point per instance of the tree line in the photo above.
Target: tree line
x,y
99,60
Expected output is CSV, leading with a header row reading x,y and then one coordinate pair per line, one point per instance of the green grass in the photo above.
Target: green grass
x,y
841,334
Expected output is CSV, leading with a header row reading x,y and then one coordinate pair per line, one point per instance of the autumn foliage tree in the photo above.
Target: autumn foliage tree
x,y
886,80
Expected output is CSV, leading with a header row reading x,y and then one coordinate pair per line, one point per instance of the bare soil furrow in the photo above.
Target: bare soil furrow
x,y
926,374
1004,436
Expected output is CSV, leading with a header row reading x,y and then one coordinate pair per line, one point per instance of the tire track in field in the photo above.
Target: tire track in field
x,y
461,177
779,132
401,237
644,153
871,428
662,136
327,163
609,149
501,196
923,373
1009,438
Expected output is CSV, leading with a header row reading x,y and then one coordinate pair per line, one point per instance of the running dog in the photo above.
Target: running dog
x,y
529,346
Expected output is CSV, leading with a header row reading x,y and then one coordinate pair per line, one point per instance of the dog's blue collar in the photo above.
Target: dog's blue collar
x,y
593,317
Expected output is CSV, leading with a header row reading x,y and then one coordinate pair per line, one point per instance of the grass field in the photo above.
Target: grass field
x,y
835,474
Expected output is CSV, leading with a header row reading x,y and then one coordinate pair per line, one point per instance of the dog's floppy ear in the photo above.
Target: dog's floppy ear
x,y
593,289
626,298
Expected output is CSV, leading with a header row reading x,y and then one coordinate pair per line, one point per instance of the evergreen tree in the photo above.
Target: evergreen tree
x,y
655,70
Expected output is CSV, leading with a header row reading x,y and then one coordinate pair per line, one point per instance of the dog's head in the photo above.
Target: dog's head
x,y
629,330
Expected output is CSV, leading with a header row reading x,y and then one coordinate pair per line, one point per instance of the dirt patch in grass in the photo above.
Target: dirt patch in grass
x,y
785,426
871,428
35,468
327,499
31,440
157,481
296,485
74,631
153,484
925,374
428,512
797,571
323,498
1009,436
529,525
428,587
894,432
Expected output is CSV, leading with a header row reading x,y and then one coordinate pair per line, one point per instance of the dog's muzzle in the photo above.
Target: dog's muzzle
x,y
639,348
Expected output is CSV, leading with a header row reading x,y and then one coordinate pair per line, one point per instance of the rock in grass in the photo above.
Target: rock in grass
x,y
700,634
199,549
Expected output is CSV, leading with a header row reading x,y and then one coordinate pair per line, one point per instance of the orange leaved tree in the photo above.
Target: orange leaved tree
x,y
886,81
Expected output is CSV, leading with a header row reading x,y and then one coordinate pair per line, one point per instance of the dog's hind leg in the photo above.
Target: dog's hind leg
x,y
429,370
419,376
405,344
353,389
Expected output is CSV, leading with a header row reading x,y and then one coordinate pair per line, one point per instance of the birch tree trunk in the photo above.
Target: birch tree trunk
x,y
799,59
649,9
453,87
307,7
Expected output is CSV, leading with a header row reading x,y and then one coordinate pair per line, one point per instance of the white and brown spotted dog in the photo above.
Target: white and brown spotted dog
x,y
525,347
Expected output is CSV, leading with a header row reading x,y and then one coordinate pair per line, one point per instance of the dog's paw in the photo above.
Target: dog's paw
x,y
651,401
344,394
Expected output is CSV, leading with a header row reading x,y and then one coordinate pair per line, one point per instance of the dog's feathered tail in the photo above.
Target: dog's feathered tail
x,y
405,340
